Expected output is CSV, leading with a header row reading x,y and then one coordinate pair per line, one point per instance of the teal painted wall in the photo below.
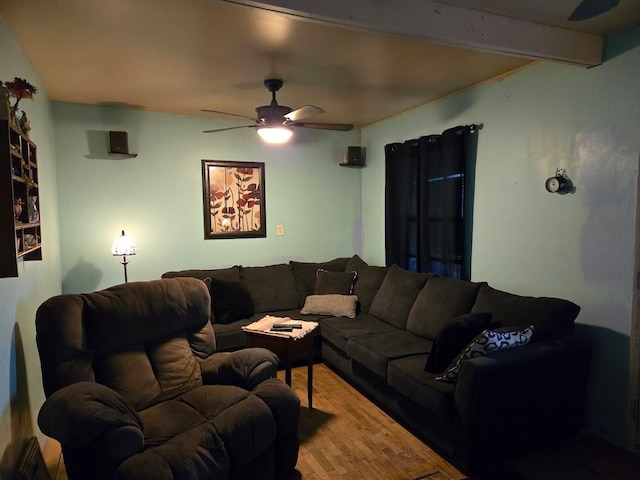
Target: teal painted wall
x,y
157,197
525,240
20,381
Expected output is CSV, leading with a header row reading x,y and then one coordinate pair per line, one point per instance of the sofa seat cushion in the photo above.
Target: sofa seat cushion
x,y
552,317
338,330
272,287
374,351
439,303
408,377
396,295
230,336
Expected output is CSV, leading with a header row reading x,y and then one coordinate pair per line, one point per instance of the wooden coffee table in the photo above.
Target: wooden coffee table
x,y
287,349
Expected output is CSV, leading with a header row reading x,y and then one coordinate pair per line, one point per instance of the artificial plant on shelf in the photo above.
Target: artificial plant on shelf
x,y
19,88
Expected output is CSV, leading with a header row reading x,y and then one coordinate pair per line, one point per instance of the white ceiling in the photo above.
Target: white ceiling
x,y
361,60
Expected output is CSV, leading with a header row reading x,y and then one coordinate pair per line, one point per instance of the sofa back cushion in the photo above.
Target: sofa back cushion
x,y
396,295
355,264
231,274
304,274
272,287
367,285
550,316
440,301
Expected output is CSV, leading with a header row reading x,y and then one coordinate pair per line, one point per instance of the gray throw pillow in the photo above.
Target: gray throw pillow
x,y
335,305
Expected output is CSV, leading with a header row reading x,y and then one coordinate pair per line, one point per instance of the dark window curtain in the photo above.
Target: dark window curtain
x,y
429,202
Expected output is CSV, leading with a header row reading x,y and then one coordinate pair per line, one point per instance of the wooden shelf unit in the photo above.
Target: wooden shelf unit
x,y
19,237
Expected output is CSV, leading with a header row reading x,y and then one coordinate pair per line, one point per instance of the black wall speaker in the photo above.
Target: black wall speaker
x,y
118,142
355,157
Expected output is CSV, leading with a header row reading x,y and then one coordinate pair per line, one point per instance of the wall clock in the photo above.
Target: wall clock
x,y
560,183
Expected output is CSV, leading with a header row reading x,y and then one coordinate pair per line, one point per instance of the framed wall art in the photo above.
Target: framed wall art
x,y
234,202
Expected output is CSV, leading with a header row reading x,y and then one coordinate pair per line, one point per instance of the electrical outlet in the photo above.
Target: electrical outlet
x,y
280,230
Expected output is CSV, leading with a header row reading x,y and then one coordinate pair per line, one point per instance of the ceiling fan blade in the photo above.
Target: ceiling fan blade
x,y
592,8
228,128
227,113
341,127
303,112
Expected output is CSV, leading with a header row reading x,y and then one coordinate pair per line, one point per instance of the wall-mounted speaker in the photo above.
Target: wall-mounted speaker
x,y
118,142
355,157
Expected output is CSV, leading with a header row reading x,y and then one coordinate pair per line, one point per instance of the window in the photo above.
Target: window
x,y
429,202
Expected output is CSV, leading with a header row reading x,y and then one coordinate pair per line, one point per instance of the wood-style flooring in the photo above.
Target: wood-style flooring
x,y
345,436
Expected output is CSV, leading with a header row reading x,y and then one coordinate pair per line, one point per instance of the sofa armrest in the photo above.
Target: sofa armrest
x,y
79,413
524,396
244,368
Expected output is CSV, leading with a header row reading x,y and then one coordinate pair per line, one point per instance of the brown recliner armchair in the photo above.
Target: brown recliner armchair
x,y
135,391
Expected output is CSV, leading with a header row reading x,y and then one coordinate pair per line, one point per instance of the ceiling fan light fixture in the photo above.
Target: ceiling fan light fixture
x,y
275,134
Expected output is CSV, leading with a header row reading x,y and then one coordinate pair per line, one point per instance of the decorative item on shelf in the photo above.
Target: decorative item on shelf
x,y
27,180
17,209
34,215
19,88
24,124
122,247
560,183
355,157
30,241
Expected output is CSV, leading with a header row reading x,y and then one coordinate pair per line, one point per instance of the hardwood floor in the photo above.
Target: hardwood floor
x,y
347,437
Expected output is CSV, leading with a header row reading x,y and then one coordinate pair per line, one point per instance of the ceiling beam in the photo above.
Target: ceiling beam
x,y
431,21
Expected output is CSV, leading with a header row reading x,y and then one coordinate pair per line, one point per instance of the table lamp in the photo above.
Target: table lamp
x,y
122,247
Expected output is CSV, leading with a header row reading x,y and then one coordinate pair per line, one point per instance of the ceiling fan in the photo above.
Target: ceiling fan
x,y
592,8
275,123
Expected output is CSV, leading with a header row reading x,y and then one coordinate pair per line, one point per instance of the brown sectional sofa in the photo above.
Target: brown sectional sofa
x,y
502,403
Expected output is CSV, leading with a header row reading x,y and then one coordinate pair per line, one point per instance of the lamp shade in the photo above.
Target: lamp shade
x,y
275,134
123,245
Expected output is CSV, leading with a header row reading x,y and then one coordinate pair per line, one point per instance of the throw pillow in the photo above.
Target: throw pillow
x,y
335,305
230,301
487,342
334,282
453,338
304,274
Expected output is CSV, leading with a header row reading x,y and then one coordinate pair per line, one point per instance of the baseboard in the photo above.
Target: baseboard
x,y
31,465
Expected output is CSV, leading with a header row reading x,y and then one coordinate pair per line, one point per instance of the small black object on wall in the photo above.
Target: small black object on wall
x,y
560,183
355,157
119,145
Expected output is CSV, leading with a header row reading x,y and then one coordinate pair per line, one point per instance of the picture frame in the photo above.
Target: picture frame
x,y
233,199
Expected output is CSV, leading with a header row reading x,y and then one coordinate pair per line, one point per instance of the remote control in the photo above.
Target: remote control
x,y
287,325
